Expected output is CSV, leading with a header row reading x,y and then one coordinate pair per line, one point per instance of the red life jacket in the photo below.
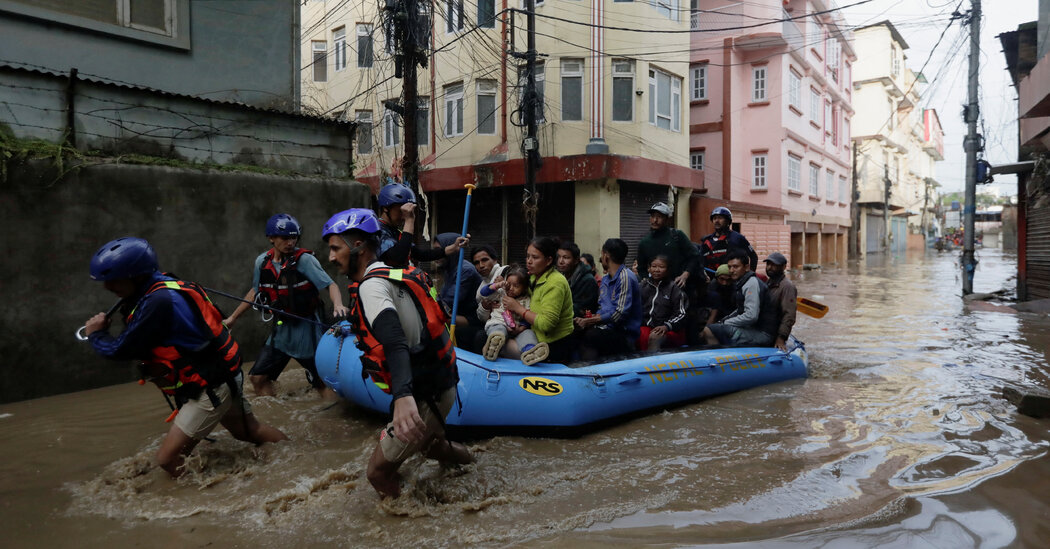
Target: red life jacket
x,y
436,348
289,291
183,374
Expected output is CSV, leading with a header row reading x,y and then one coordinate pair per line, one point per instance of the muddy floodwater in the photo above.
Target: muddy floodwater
x,y
897,439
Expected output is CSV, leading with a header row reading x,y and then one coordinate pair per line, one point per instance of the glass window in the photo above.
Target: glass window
x,y
339,40
843,190
758,171
320,63
486,96
571,90
795,90
454,110
522,79
487,13
696,160
814,34
453,15
364,46
814,180
665,99
423,121
623,90
814,105
829,184
794,173
698,82
758,84
391,129
364,132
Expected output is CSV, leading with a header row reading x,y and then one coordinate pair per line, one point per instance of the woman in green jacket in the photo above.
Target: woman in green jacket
x,y
550,312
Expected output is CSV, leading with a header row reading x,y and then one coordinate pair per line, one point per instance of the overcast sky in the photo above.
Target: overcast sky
x,y
920,22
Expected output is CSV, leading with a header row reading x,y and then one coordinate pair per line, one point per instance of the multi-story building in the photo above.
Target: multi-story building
x,y
897,144
770,112
614,130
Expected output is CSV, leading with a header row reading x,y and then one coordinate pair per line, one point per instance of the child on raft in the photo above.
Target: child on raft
x,y
664,309
503,324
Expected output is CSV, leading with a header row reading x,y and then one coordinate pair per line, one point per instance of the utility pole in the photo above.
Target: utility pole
x,y
886,208
971,145
854,212
410,32
530,105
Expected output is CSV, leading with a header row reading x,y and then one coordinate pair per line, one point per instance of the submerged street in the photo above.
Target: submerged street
x,y
898,438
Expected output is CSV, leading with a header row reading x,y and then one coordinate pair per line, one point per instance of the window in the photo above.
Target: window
x,y
834,49
454,110
391,129
320,49
364,46
364,132
453,15
758,84
694,14
665,100
667,8
522,81
486,107
829,184
623,90
827,118
835,126
758,171
698,82
814,34
814,106
814,180
339,39
843,190
487,14
895,61
794,173
571,90
696,160
423,121
795,89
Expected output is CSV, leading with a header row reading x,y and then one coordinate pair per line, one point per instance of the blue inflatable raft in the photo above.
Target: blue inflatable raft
x,y
507,396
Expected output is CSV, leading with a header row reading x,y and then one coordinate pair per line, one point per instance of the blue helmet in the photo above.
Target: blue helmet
x,y
123,258
282,225
396,193
722,210
361,219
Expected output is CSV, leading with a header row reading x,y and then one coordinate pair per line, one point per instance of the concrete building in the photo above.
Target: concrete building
x,y
897,144
1027,52
614,132
770,117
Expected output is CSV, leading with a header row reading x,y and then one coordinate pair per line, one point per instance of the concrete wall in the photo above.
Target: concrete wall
x,y
221,49
206,227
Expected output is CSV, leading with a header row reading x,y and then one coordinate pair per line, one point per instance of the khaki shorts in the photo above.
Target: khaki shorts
x,y
396,451
198,417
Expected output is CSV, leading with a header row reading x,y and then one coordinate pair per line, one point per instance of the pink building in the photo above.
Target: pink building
x,y
770,111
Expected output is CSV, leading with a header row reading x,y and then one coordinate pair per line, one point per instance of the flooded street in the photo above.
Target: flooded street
x,y
897,439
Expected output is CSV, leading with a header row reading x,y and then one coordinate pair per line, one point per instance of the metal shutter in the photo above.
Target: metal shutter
x,y
1038,252
635,201
486,220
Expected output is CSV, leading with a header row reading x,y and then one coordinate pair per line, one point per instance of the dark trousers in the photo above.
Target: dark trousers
x,y
597,342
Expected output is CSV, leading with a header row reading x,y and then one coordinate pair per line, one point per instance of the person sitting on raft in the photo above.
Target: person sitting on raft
x,y
503,323
581,279
719,298
397,219
550,309
468,277
754,322
664,308
615,329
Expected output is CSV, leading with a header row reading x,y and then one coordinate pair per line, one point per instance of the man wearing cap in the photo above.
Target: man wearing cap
x,y
682,256
782,295
719,298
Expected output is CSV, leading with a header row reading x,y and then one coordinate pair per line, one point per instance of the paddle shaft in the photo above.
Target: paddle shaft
x,y
459,265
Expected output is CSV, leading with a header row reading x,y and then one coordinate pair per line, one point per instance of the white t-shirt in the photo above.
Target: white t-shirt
x,y
379,294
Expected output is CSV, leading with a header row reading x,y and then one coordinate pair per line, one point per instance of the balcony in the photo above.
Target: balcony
x,y
776,34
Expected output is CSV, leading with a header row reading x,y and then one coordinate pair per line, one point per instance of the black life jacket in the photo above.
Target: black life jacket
x,y
435,349
289,291
767,314
185,374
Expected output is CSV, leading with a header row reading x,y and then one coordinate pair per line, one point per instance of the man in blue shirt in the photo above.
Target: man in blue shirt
x,y
289,278
177,333
616,327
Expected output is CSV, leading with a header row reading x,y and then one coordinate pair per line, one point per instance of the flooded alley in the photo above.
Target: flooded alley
x,y
898,438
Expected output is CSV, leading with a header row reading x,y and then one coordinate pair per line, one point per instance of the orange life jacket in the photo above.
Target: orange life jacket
x,y
289,290
436,348
184,374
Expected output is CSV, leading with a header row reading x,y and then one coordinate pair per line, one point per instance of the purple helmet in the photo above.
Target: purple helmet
x,y
361,219
123,258
282,225
396,193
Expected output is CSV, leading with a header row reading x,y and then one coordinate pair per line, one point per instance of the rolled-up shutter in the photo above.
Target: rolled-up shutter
x,y
1038,252
635,201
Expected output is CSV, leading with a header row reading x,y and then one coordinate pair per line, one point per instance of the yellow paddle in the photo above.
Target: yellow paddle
x,y
811,308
